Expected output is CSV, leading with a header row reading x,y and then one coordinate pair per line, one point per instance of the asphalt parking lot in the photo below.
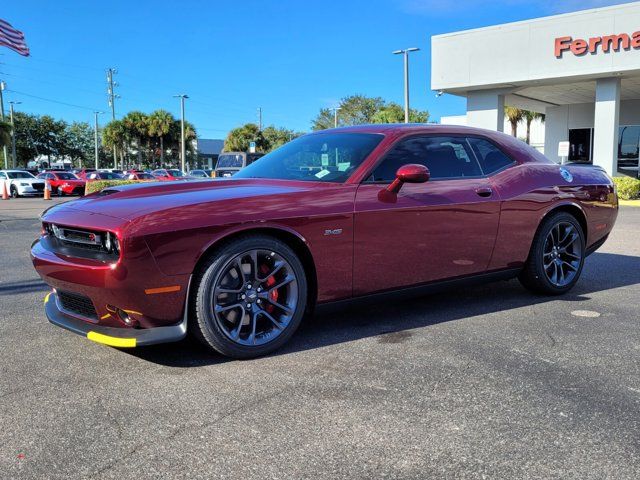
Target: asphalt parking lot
x,y
488,382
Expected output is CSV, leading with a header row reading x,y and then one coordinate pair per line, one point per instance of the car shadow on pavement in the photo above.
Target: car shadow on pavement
x,y
29,286
391,320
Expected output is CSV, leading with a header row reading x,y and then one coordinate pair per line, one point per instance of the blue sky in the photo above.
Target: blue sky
x,y
290,58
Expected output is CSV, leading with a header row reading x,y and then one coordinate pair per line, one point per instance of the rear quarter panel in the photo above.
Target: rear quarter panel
x,y
532,190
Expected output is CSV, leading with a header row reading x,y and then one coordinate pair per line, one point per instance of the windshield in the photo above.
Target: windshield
x,y
324,157
142,176
66,176
14,175
229,161
175,173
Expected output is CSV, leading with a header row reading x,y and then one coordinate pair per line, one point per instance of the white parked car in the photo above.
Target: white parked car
x,y
21,183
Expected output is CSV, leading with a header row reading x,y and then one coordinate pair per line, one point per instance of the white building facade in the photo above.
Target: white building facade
x,y
582,70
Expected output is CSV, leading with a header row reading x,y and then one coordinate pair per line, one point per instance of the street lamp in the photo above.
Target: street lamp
x,y
13,133
335,116
182,97
405,53
96,137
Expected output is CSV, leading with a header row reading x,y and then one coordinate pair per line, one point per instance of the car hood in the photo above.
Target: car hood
x,y
129,202
26,180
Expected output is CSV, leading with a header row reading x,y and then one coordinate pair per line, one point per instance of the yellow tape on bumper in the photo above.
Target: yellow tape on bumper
x,y
46,299
111,341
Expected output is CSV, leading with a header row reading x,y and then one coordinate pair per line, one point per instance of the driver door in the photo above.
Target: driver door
x,y
444,228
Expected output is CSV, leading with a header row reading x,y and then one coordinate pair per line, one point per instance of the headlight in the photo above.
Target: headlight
x,y
24,184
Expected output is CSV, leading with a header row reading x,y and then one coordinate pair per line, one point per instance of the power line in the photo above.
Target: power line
x,y
49,100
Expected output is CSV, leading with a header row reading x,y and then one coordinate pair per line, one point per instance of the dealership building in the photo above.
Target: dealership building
x,y
581,69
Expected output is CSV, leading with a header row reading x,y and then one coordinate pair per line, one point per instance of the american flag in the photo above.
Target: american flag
x,y
12,38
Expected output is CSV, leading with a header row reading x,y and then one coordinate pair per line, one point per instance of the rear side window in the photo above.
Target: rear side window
x,y
491,158
445,157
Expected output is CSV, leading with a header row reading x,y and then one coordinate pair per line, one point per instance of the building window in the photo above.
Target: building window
x,y
629,150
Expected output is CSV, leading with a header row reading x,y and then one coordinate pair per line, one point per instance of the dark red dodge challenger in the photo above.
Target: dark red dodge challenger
x,y
331,216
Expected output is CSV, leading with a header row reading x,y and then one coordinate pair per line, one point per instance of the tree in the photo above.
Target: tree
x,y
78,142
5,134
275,137
354,110
239,138
136,124
529,117
159,124
394,113
514,115
115,134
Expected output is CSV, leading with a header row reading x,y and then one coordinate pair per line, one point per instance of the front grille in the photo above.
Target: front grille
x,y
84,246
78,304
38,186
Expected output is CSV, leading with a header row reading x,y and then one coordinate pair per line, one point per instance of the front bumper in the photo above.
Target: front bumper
x,y
115,337
29,190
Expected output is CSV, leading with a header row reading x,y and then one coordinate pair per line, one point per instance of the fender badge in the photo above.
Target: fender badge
x,y
336,231
566,175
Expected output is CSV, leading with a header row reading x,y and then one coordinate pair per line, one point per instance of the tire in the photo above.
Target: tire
x,y
60,192
220,325
554,266
14,192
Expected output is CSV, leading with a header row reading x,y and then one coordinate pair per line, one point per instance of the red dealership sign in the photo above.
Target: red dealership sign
x,y
595,45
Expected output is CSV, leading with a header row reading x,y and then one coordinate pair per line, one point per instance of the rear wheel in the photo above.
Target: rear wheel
x,y
250,297
557,255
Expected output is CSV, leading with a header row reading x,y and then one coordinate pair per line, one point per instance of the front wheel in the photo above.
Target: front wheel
x,y
14,192
557,255
250,297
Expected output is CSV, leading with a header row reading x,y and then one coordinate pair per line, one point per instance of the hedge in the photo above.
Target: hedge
x,y
628,188
97,185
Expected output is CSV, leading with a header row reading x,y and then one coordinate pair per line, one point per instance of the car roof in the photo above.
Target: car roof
x,y
386,128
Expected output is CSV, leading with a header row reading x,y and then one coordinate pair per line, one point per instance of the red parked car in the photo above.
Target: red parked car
x,y
139,176
169,174
64,183
331,216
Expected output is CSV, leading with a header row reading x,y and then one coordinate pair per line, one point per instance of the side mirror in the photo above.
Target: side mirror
x,y
410,173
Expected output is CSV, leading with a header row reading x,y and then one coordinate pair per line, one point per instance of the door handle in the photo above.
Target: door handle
x,y
484,191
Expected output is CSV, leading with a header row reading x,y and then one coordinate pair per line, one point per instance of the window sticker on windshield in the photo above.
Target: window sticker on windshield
x,y
325,159
343,166
322,173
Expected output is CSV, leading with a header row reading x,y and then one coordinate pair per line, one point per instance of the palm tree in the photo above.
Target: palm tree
x,y
137,127
529,117
5,133
514,115
158,125
115,134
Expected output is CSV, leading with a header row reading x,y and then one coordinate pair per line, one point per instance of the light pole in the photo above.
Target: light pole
x,y
111,95
5,150
13,134
182,97
96,138
405,53
335,116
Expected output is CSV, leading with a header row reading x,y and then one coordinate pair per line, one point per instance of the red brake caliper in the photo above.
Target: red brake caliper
x,y
271,281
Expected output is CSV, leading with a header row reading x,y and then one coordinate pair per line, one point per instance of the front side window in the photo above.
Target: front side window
x,y
491,158
320,157
445,157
